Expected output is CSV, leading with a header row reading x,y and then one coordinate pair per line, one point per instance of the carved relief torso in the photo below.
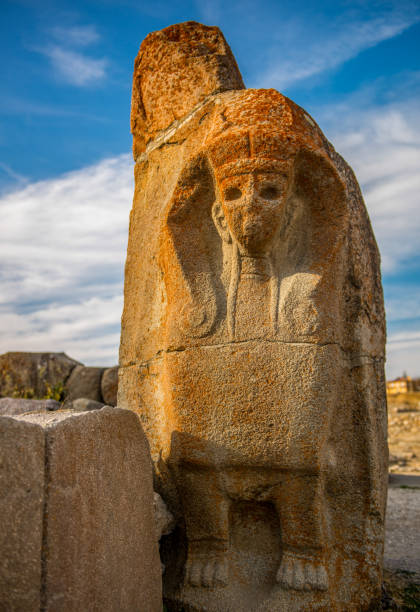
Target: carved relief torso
x,y
255,256
246,279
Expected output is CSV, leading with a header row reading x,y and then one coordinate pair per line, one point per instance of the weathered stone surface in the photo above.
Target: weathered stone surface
x,y
100,549
176,69
163,518
11,405
33,373
82,404
252,349
109,386
21,509
84,382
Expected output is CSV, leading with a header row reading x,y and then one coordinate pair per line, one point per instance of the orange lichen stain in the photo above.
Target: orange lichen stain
x,y
184,64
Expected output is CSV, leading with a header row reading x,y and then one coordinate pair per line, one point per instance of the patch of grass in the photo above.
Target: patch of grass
x,y
55,392
402,591
23,393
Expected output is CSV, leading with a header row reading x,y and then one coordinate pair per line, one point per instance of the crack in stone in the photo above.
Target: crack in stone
x,y
166,134
354,359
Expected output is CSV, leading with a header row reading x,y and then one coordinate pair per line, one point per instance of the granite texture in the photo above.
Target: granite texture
x,y
81,528
22,465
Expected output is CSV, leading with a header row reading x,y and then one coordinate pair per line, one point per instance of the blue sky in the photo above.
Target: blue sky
x,y
65,164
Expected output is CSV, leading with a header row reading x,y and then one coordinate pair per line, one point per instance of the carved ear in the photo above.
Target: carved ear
x,y
220,222
188,270
319,187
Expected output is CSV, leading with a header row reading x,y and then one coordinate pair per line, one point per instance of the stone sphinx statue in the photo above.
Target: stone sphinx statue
x,y
253,342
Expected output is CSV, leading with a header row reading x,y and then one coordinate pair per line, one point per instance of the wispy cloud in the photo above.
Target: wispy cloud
x,y
382,144
209,10
301,52
13,105
76,68
383,147
62,262
403,303
69,63
8,176
403,353
78,36
403,317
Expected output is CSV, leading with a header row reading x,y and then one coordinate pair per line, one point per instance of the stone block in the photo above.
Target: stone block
x,y
96,523
109,386
82,404
22,482
10,406
84,382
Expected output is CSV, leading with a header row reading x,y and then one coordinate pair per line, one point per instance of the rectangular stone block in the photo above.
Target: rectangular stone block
x,y
99,547
21,508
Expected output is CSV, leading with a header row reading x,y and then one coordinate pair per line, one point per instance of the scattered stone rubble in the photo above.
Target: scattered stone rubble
x,y
40,375
10,406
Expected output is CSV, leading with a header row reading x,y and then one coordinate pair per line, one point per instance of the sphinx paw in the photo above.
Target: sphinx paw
x,y
209,571
302,573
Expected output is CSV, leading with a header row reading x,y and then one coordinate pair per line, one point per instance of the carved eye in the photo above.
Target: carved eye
x,y
232,193
269,192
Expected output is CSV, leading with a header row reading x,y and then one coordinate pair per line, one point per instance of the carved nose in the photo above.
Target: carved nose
x,y
250,220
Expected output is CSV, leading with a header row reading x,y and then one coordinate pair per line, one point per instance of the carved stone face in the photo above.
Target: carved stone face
x,y
251,209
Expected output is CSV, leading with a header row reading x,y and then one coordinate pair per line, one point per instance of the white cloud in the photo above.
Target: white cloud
x,y
403,317
78,36
62,252
403,303
302,52
69,63
76,68
403,351
88,331
383,147
382,144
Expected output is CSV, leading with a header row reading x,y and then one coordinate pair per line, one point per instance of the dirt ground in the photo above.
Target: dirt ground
x,y
401,588
404,433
